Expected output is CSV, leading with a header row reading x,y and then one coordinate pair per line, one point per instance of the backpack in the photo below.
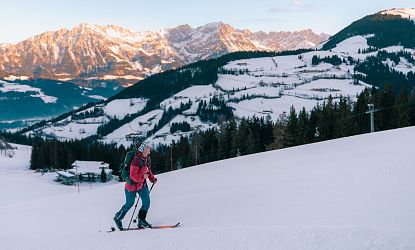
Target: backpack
x,y
125,166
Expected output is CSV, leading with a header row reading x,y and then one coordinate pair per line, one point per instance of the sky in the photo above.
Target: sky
x,y
21,19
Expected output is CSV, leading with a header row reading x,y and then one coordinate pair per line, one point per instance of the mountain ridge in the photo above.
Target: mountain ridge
x,y
89,53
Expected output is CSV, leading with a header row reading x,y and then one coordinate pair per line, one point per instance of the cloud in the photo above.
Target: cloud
x,y
295,6
298,2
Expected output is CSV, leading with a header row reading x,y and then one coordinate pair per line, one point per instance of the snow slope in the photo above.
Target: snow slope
x,y
14,171
350,193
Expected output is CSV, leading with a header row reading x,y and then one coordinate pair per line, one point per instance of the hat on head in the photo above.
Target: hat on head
x,y
137,142
143,145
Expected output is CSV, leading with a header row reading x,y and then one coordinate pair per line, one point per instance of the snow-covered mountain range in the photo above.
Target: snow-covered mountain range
x,y
89,54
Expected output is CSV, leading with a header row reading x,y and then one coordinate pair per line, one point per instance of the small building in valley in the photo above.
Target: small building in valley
x,y
91,171
85,171
66,178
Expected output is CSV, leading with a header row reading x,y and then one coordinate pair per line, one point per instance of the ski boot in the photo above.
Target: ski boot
x,y
117,220
142,223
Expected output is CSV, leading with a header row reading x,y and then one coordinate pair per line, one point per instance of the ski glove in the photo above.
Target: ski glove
x,y
154,180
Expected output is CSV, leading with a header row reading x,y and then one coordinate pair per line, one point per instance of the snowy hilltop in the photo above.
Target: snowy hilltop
x,y
403,12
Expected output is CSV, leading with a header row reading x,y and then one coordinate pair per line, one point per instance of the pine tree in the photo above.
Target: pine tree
x,y
412,107
387,112
251,142
183,151
35,159
235,141
375,100
328,120
361,121
344,118
243,135
52,152
278,131
103,175
266,133
291,129
315,60
302,127
197,146
255,127
403,109
313,124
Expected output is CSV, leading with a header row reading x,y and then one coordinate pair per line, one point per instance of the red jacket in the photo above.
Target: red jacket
x,y
137,172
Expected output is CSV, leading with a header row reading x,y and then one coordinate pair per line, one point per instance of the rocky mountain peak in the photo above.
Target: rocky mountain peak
x,y
88,53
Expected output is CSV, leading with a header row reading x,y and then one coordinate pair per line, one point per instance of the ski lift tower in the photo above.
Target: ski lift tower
x,y
372,111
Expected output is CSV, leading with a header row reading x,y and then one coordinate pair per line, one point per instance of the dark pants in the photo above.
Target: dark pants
x,y
144,194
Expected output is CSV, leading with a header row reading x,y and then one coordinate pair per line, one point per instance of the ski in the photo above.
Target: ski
x,y
113,229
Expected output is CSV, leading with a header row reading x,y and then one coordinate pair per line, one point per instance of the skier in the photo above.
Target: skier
x,y
140,171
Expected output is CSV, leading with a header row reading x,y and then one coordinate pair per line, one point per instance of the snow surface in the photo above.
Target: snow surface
x,y
197,91
32,186
408,13
163,136
128,77
22,186
89,166
352,45
350,193
98,97
74,130
176,101
322,88
119,108
273,107
15,87
14,78
139,125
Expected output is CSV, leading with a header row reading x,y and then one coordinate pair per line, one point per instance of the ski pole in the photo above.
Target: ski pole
x,y
135,207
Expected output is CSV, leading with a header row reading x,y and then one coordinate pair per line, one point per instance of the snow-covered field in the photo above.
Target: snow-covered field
x,y
139,125
122,107
20,185
14,87
350,193
272,107
163,135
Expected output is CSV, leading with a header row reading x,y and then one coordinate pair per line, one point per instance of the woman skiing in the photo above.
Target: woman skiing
x,y
140,171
